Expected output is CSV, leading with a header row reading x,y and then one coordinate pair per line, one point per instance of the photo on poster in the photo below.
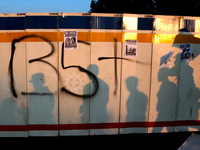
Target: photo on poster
x,y
131,48
166,61
186,54
70,40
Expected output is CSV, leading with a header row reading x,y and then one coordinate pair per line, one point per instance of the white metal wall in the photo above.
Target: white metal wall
x,y
135,95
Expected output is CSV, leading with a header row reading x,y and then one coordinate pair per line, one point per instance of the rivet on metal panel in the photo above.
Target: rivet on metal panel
x,y
117,15
53,13
178,17
19,14
148,16
85,14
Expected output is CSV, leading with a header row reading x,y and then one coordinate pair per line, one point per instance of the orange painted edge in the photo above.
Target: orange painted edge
x,y
102,37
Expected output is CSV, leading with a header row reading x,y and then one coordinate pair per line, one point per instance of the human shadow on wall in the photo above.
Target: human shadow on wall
x,y
40,102
10,114
97,112
186,105
167,99
136,103
188,92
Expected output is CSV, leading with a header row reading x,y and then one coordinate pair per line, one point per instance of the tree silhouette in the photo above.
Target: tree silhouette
x,y
162,7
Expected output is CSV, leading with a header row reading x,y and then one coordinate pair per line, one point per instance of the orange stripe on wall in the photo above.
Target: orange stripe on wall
x,y
145,37
103,37
106,37
9,37
83,36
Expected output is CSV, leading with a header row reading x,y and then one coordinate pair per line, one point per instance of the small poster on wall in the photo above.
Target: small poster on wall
x,y
70,40
186,54
131,48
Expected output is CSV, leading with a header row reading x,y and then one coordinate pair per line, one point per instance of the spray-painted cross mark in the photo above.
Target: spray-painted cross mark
x,y
115,62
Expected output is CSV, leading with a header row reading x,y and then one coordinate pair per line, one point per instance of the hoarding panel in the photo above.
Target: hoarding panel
x,y
73,107
42,86
135,76
13,105
42,74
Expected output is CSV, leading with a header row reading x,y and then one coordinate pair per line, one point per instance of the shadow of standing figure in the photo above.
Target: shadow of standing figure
x,y
188,93
167,99
136,103
94,109
97,112
10,114
40,102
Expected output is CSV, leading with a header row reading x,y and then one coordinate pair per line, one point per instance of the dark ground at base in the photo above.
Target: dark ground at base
x,y
161,141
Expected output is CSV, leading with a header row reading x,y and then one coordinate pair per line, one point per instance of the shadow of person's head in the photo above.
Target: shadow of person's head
x,y
94,69
38,80
183,36
131,83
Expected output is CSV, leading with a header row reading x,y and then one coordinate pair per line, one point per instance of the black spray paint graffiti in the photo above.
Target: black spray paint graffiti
x,y
115,62
13,48
92,76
